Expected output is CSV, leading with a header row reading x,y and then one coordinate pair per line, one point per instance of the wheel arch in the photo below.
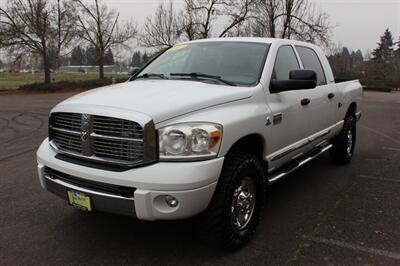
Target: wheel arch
x,y
253,144
352,110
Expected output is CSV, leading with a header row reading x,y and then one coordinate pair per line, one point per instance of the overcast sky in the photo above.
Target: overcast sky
x,y
358,23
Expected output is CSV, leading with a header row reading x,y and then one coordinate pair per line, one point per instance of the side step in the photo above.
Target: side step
x,y
284,171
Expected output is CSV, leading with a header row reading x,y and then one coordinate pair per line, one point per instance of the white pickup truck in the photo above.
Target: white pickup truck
x,y
201,130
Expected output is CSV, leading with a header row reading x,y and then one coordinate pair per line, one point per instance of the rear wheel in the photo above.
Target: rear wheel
x,y
343,145
234,212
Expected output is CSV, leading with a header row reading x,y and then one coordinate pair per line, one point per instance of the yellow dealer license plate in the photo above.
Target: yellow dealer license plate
x,y
79,200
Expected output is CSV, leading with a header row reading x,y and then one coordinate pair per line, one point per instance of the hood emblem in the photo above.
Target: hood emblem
x,y
85,127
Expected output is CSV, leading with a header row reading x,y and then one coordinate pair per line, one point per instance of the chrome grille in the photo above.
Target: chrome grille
x,y
117,127
101,138
67,141
118,149
69,121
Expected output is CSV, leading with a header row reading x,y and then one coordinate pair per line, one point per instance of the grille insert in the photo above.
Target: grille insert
x,y
101,138
67,141
68,121
117,128
118,149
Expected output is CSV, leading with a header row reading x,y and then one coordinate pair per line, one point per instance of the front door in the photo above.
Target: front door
x,y
290,120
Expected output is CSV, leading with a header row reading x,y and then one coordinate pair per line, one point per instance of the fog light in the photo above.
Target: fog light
x,y
171,201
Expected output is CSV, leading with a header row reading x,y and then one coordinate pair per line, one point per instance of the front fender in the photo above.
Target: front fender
x,y
239,119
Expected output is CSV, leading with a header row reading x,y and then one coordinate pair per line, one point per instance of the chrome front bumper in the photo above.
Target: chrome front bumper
x,y
100,201
191,183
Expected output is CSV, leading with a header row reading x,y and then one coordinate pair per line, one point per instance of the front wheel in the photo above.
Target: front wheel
x,y
235,209
343,145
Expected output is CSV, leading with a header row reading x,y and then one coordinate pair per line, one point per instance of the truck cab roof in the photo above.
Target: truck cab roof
x,y
277,41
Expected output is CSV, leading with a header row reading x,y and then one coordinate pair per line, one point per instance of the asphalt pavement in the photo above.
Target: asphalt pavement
x,y
322,214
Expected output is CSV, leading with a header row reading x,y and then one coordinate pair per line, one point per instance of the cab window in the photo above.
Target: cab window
x,y
310,60
286,61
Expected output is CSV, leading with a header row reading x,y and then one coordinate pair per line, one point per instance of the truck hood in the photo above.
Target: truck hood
x,y
159,99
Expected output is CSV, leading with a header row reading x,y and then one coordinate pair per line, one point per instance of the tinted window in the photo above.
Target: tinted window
x,y
311,61
237,62
286,61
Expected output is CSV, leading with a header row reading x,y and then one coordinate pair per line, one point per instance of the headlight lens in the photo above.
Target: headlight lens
x,y
189,141
175,142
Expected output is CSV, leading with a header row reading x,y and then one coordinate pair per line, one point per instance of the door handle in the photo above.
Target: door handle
x,y
305,101
331,95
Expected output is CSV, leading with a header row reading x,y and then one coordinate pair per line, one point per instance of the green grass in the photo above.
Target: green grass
x,y
15,80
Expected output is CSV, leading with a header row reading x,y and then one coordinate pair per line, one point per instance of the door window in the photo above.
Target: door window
x,y
310,60
286,61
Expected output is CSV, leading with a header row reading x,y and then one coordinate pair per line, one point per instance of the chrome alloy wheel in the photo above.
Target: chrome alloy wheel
x,y
349,144
243,203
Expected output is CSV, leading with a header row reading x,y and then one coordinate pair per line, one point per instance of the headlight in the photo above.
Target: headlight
x,y
189,141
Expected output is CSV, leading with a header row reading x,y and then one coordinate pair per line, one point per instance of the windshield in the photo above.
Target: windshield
x,y
239,63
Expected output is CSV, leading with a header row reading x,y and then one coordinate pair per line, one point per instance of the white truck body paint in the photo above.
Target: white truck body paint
x,y
242,111
162,99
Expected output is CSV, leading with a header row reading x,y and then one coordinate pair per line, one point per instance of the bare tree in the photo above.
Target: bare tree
x,y
161,30
99,26
195,21
298,19
38,27
65,16
303,21
203,13
25,24
266,17
188,26
237,12
243,29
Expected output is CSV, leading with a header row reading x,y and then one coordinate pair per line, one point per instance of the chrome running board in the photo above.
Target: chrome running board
x,y
284,171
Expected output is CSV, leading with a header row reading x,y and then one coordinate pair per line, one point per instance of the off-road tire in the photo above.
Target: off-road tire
x,y
341,151
216,226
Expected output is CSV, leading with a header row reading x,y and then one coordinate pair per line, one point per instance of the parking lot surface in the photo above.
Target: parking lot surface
x,y
322,214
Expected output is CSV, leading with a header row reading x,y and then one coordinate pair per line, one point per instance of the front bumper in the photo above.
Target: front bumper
x,y
101,201
191,183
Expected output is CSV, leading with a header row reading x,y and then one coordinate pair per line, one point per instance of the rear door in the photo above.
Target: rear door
x,y
323,99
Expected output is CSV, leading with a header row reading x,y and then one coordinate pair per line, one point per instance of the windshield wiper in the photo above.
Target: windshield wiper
x,y
149,75
197,75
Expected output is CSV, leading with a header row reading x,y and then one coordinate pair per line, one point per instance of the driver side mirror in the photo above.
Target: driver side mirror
x,y
301,79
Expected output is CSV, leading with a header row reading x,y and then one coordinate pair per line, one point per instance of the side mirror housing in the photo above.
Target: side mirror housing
x,y
303,74
299,80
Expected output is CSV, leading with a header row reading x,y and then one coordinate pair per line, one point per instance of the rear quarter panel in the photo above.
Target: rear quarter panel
x,y
350,91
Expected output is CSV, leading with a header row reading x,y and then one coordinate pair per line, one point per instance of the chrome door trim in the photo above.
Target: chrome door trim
x,y
287,150
300,144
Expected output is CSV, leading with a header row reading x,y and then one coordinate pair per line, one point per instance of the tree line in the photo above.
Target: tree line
x,y
48,28
84,32
88,56
51,29
380,67
290,19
